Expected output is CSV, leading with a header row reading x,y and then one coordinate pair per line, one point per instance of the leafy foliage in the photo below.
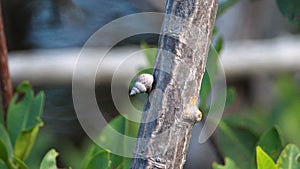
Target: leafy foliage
x,y
236,140
23,124
289,157
124,127
290,9
27,112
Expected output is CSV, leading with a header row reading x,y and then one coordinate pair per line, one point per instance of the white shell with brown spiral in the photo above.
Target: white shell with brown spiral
x,y
143,84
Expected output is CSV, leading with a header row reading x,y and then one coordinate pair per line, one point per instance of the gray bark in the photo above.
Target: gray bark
x,y
178,71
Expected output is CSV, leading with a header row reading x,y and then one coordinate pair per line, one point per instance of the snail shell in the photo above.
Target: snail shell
x,y
143,84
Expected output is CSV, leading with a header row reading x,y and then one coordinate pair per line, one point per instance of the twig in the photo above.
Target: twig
x,y
5,82
178,71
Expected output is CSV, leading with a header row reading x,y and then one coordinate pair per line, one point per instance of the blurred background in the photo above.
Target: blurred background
x,y
260,56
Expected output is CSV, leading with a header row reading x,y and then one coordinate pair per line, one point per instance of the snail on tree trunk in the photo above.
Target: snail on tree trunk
x,y
143,84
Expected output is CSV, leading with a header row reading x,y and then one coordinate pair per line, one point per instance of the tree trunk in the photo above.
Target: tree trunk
x,y
171,109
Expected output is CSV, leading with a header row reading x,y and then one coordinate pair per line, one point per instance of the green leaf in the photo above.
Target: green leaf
x,y
289,158
208,77
118,124
119,162
24,117
204,93
49,161
253,121
20,163
116,161
6,150
229,164
126,163
263,160
230,96
3,165
211,70
217,41
212,63
286,107
124,127
3,151
224,5
101,160
238,144
290,9
271,142
25,142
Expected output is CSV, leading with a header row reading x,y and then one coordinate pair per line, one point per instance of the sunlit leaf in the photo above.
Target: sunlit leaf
x,y
289,158
24,143
264,161
49,161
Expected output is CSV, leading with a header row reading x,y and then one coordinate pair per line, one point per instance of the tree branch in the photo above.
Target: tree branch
x,y
178,71
5,82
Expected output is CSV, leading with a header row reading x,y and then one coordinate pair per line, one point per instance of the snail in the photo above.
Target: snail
x,y
143,84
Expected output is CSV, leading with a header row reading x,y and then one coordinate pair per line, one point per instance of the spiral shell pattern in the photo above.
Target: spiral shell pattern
x,y
143,84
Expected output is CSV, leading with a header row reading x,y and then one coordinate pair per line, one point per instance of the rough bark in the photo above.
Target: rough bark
x,y
5,82
178,71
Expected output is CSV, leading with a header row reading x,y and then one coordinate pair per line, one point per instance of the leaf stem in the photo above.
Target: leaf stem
x,y
5,82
